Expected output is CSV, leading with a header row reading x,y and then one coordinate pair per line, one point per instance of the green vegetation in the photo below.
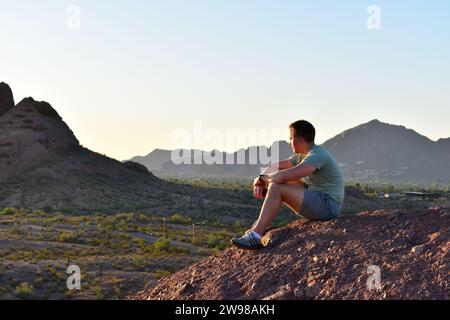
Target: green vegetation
x,y
70,237
24,290
373,189
118,254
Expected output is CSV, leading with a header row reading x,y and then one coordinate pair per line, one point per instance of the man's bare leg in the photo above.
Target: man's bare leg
x,y
290,194
297,183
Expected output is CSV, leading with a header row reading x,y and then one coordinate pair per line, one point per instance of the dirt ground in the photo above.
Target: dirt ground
x,y
383,254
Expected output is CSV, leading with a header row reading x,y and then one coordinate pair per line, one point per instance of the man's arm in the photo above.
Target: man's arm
x,y
291,174
282,165
259,186
273,168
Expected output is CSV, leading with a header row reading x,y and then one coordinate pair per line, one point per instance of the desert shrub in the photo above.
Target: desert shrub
x,y
47,209
161,273
141,243
218,240
161,245
177,218
70,237
213,240
24,290
142,218
39,212
8,211
180,250
16,230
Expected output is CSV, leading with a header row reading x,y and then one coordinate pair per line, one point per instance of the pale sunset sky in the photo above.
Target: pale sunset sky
x,y
125,74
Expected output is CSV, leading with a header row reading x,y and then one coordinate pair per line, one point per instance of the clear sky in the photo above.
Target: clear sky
x,y
136,71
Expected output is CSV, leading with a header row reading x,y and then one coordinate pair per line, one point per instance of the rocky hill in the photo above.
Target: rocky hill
x,y
328,260
43,166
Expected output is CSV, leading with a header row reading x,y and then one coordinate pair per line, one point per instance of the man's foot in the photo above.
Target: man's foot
x,y
248,242
269,228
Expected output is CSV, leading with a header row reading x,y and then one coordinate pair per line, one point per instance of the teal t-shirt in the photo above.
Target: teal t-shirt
x,y
327,178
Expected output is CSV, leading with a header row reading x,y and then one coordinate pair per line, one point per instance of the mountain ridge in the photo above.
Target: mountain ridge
x,y
370,152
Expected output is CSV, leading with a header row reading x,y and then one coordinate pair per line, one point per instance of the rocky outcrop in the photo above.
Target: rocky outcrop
x,y
136,167
43,166
338,259
30,133
6,98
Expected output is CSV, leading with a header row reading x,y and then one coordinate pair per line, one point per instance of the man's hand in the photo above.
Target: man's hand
x,y
259,182
259,192
259,186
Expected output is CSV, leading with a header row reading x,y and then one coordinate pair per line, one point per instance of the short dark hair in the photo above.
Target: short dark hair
x,y
304,129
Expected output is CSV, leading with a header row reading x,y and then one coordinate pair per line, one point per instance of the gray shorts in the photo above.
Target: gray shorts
x,y
319,206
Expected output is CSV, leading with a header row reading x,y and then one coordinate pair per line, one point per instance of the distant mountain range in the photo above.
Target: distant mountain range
x,y
374,152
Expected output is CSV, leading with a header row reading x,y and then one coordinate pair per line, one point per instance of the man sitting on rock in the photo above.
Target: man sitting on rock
x,y
320,198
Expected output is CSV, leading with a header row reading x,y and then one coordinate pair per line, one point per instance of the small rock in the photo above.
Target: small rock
x,y
283,293
274,238
434,236
185,288
418,249
315,259
299,293
193,277
445,214
410,234
312,290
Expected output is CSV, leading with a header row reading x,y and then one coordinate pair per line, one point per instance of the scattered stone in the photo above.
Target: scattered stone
x,y
418,249
312,290
344,276
434,236
445,214
299,293
284,293
274,238
185,288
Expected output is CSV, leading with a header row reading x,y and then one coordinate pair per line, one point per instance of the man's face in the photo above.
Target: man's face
x,y
295,142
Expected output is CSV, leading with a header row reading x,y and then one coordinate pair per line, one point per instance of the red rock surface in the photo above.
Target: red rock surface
x,y
328,260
